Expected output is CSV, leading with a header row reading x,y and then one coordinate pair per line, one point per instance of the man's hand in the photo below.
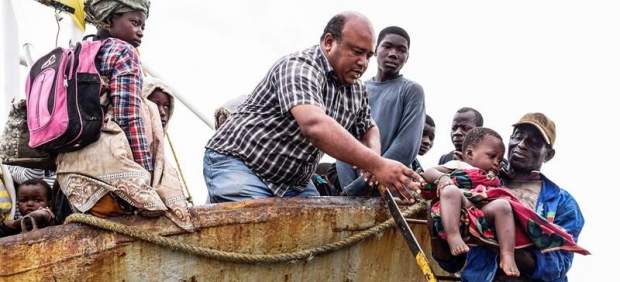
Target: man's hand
x,y
395,175
368,177
526,261
333,139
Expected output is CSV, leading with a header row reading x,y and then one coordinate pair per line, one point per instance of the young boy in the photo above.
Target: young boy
x,y
428,136
428,139
33,204
158,92
472,204
396,105
464,120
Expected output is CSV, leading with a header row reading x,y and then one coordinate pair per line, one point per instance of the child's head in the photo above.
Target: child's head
x,y
128,27
464,120
428,136
483,148
124,20
163,102
32,195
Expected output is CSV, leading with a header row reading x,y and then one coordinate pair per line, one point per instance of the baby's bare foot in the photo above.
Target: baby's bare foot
x,y
508,265
457,245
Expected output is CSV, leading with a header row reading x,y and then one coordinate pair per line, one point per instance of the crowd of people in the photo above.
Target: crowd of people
x,y
491,217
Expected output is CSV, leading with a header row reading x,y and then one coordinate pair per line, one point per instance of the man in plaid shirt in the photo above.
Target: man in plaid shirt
x,y
310,102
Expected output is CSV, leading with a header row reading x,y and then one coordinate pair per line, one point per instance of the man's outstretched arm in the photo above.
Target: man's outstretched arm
x,y
327,135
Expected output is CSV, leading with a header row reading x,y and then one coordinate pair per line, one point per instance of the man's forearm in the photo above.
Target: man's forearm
x,y
327,135
338,143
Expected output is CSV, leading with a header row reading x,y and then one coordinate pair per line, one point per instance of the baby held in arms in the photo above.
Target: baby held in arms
x,y
474,208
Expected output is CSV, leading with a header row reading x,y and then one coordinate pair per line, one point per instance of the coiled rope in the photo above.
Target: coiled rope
x,y
306,254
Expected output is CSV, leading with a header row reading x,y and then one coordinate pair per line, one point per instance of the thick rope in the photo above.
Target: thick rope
x,y
306,254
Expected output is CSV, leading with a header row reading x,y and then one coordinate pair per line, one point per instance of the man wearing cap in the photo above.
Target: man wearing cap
x,y
530,145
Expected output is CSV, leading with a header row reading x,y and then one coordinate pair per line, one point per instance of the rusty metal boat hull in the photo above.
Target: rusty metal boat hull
x,y
75,252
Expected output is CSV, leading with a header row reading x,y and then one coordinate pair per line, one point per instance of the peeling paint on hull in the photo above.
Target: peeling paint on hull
x,y
76,252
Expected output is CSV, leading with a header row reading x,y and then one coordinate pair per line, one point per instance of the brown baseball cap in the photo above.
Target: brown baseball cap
x,y
542,123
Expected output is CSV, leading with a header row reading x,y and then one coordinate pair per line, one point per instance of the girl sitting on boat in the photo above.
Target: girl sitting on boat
x,y
121,173
473,208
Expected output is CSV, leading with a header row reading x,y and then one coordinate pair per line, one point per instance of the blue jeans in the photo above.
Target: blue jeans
x,y
228,179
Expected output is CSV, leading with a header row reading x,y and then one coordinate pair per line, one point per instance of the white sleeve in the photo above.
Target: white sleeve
x,y
22,174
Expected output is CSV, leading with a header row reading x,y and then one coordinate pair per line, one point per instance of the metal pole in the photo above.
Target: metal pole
x,y
23,62
27,54
209,122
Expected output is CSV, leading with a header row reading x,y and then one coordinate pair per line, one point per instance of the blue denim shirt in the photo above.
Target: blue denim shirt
x,y
482,262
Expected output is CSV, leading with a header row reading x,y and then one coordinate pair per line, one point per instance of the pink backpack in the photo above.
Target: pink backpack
x,y
63,99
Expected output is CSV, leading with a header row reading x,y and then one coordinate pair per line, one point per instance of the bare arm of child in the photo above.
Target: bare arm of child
x,y
42,217
437,177
10,227
434,173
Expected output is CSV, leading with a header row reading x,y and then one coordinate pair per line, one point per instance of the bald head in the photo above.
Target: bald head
x,y
336,24
352,15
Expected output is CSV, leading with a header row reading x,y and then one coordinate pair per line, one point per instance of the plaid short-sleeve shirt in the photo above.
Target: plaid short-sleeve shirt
x,y
264,134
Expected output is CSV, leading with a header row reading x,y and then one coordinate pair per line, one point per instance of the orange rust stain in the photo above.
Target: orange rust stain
x,y
81,253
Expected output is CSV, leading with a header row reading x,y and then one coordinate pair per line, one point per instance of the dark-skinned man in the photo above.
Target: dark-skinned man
x,y
309,103
464,120
396,105
530,145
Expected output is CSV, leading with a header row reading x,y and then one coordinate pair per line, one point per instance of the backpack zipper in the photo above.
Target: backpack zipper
x,y
69,72
39,99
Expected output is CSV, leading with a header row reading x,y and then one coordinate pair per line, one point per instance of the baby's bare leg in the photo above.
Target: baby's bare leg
x,y
452,199
500,212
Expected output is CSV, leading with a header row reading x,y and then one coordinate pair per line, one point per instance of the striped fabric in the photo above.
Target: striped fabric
x,y
21,174
119,62
266,137
5,201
